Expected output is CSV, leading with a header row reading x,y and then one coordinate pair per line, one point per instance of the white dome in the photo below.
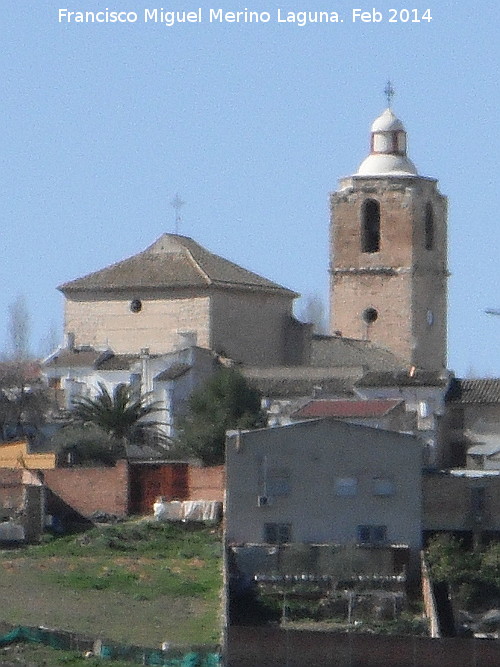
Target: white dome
x,y
388,149
387,122
378,164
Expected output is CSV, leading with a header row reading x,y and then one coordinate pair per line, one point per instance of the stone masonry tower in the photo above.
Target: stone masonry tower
x,y
388,253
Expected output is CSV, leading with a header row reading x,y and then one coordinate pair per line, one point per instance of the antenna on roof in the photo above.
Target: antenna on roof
x,y
177,204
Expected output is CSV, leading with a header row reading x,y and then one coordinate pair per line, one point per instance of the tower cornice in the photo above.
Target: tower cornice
x,y
389,270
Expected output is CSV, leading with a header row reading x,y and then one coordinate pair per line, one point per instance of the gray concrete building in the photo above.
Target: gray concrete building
x,y
324,482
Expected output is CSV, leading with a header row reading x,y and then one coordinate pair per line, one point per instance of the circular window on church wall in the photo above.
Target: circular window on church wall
x,y
136,306
370,315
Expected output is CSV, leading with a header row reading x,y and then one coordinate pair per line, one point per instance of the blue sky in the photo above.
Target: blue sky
x,y
253,125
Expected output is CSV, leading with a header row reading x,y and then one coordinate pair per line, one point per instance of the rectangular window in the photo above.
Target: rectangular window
x,y
383,486
346,486
277,533
369,534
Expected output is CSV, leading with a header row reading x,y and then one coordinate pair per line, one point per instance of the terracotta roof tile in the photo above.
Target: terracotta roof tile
x,y
344,409
340,351
76,357
287,382
173,261
486,390
82,357
117,362
404,379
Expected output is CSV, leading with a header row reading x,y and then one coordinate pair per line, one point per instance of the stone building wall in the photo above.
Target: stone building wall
x,y
454,502
353,296
250,326
103,323
403,281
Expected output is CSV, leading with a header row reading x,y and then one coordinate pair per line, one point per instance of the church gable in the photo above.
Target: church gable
x,y
176,288
173,262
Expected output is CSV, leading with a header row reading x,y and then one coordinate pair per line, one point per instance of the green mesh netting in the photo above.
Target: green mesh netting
x,y
155,658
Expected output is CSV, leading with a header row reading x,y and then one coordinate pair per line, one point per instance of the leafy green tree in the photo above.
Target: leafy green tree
x,y
226,401
119,415
473,575
78,443
449,561
490,564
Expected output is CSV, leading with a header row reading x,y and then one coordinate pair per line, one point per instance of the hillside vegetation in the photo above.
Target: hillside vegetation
x,y
138,583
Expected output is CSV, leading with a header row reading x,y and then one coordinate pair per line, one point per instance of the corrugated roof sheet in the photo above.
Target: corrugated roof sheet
x,y
485,390
173,261
343,409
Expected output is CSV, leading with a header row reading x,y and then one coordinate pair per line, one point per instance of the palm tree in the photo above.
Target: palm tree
x,y
120,415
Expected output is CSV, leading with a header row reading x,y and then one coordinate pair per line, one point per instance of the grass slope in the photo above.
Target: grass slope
x,y
136,583
31,655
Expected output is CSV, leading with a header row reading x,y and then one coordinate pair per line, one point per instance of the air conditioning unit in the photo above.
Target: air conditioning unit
x,y
263,501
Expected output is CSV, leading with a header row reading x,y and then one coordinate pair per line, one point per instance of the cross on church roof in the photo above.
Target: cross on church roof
x,y
389,93
177,204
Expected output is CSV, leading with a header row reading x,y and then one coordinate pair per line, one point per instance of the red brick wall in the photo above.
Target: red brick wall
x,y
206,483
88,490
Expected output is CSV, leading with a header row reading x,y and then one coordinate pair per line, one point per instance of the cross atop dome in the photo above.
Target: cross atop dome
x,y
389,92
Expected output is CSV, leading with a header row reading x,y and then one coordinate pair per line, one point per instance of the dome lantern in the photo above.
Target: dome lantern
x,y
387,146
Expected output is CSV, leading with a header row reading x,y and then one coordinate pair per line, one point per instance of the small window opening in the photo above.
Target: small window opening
x,y
429,227
346,486
372,534
370,315
136,306
277,533
370,230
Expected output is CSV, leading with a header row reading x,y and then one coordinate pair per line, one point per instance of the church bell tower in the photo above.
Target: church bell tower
x,y
388,259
